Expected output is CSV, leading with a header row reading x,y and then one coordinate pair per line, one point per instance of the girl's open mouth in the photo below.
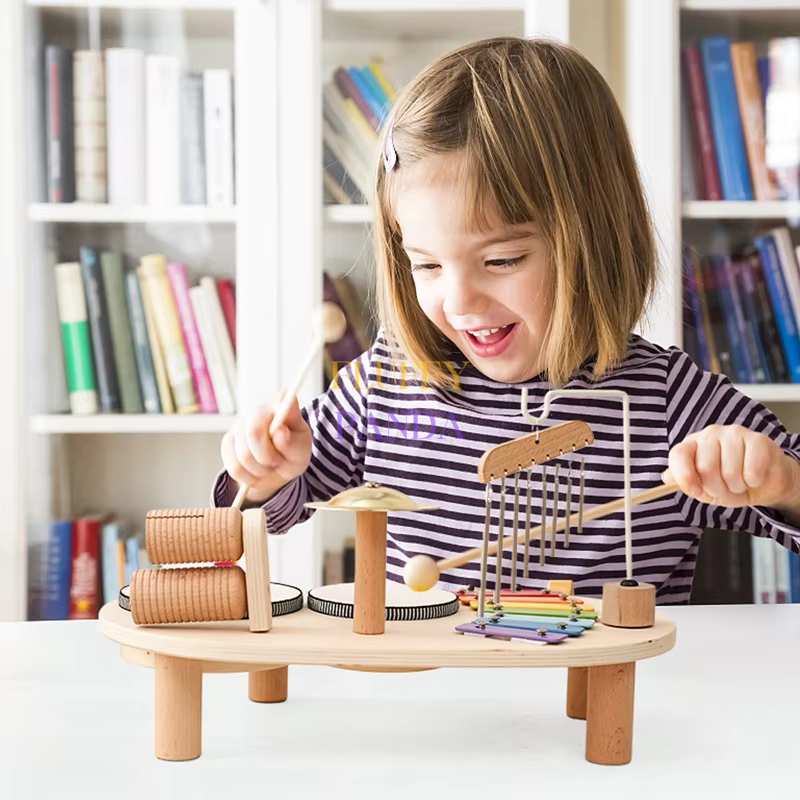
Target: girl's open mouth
x,y
491,342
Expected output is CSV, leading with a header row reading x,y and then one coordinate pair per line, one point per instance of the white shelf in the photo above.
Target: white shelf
x,y
709,209
353,214
103,213
131,423
771,392
423,6
166,5
420,20
733,6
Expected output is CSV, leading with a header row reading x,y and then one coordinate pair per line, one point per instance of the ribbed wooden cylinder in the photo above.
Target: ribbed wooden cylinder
x,y
188,594
187,535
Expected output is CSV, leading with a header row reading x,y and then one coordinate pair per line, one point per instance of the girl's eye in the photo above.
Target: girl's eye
x,y
423,267
505,262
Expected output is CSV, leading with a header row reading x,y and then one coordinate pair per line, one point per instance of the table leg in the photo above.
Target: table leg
x,y
269,685
609,713
577,679
178,708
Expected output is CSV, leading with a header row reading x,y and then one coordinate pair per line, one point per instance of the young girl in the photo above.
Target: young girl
x,y
514,249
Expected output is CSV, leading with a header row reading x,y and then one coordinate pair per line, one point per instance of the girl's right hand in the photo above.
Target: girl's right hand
x,y
251,457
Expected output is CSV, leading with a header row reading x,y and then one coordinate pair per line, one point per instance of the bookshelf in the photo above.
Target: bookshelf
x,y
62,464
655,91
282,233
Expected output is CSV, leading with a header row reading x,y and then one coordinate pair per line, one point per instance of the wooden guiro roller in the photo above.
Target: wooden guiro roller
x,y
180,536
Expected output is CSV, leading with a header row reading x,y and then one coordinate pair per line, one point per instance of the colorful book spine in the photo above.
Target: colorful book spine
x,y
75,337
179,282
725,121
85,581
58,571
165,314
121,333
59,125
784,314
141,341
102,349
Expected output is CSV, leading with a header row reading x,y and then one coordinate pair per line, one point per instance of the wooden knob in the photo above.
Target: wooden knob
x,y
188,535
629,606
188,594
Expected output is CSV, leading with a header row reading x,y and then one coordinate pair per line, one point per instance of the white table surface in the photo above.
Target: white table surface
x,y
716,717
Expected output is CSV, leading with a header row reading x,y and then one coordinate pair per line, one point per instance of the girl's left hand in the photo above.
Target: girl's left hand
x,y
730,465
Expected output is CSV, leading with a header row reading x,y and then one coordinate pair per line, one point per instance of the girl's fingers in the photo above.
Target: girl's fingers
x,y
757,462
732,450
245,456
707,464
682,468
231,462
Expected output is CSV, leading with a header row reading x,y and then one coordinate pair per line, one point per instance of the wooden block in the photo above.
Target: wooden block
x,y
190,535
512,456
269,685
256,555
178,708
577,684
609,713
369,592
187,594
628,606
567,587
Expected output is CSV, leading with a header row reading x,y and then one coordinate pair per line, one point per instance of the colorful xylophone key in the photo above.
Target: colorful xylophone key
x,y
538,636
539,611
527,620
527,623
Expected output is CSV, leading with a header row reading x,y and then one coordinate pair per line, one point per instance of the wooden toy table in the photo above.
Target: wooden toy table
x,y
600,663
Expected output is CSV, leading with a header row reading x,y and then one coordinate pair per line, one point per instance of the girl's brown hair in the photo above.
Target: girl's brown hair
x,y
543,141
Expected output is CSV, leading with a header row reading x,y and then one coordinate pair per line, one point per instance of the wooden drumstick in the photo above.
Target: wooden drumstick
x,y
422,572
329,326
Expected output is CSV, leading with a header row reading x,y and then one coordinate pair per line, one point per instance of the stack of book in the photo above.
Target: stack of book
x,y
742,310
132,128
739,134
144,340
355,106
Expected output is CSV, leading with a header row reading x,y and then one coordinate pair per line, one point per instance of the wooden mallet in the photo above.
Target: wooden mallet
x,y
422,572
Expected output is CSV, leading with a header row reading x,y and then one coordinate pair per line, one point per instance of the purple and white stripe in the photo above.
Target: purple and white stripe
x,y
374,425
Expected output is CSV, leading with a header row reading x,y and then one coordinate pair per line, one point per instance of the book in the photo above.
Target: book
x,y
89,111
76,338
162,129
99,326
59,125
121,333
153,268
125,125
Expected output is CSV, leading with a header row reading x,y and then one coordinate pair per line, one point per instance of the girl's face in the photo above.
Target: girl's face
x,y
488,290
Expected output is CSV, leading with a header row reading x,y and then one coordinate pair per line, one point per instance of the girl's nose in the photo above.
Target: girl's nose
x,y
463,297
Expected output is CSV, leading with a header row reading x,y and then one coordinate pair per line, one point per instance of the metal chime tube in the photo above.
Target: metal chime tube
x,y
515,534
485,551
498,558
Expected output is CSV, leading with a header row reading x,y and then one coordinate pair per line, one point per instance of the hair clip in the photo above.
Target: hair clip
x,y
389,153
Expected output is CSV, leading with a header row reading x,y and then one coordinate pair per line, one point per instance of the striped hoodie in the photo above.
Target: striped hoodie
x,y
376,423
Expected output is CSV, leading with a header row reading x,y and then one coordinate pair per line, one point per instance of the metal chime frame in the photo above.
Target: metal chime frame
x,y
537,449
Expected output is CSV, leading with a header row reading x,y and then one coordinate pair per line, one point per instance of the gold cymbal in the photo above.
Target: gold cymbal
x,y
371,497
